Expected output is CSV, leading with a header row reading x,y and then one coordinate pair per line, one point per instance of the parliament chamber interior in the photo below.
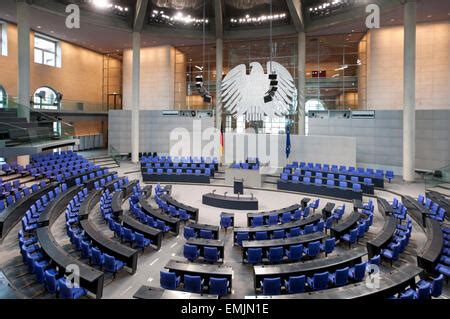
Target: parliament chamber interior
x,y
225,149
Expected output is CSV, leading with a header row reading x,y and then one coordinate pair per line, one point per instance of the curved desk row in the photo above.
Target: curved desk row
x,y
377,181
71,181
230,202
90,184
155,235
189,209
418,212
116,204
346,225
389,284
440,199
173,223
175,178
90,278
321,190
278,212
285,242
428,258
313,219
14,213
202,243
205,271
309,267
127,255
57,206
384,207
146,292
383,238
198,227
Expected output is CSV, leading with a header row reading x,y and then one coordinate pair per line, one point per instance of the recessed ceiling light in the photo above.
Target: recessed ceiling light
x,y
392,20
39,27
52,31
429,16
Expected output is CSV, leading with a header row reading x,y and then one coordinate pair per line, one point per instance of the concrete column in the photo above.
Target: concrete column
x,y
23,32
301,88
409,91
219,70
135,89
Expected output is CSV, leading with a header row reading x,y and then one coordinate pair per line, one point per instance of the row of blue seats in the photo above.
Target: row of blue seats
x,y
399,242
19,194
292,254
274,219
44,156
443,267
35,259
179,171
424,289
189,232
81,243
30,219
125,234
118,184
318,181
436,212
370,172
172,210
45,274
178,159
341,178
192,252
318,281
195,284
245,166
148,220
179,165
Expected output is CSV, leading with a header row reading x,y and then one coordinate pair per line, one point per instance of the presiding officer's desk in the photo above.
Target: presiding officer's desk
x,y
309,267
90,278
266,215
128,255
429,256
11,215
384,207
383,238
201,243
230,202
282,242
146,292
346,225
389,284
155,235
205,271
313,219
197,227
173,223
189,209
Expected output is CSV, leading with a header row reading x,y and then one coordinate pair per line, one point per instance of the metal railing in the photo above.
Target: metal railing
x,y
442,177
114,153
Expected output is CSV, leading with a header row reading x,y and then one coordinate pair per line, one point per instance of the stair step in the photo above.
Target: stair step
x,y
110,165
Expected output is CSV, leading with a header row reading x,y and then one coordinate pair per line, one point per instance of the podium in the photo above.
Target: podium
x,y
238,186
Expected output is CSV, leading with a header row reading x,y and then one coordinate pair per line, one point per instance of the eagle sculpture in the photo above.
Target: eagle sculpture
x,y
243,94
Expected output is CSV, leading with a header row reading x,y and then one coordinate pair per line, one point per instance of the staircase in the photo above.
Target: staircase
x,y
15,131
106,161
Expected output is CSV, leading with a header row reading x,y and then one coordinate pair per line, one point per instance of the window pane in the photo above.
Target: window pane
x,y
37,56
49,58
44,44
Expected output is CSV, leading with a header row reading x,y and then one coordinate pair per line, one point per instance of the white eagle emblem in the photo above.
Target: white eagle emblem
x,y
243,94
